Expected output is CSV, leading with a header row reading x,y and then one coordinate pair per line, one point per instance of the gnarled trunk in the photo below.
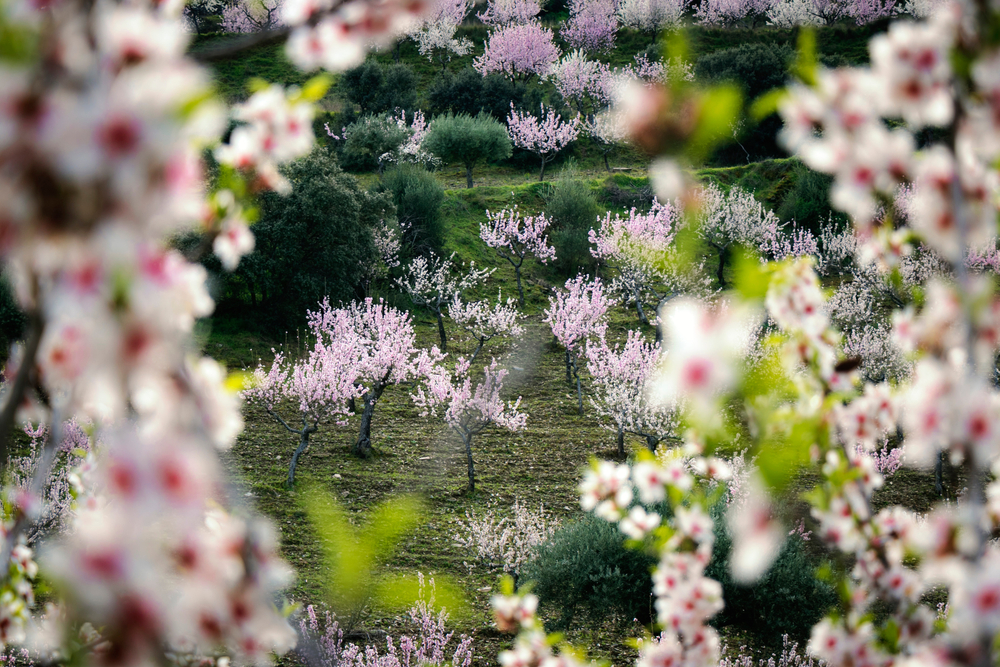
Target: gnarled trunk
x,y
441,334
621,442
468,175
363,446
303,445
467,441
520,289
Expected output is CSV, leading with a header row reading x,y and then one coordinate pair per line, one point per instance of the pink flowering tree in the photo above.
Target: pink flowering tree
x,y
582,83
431,282
575,316
639,250
514,238
544,136
518,51
106,119
384,353
621,395
592,25
470,410
484,322
316,390
608,130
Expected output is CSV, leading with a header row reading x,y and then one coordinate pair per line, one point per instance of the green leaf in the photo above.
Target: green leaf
x,y
779,461
389,522
751,277
720,106
767,104
257,84
806,64
316,87
400,592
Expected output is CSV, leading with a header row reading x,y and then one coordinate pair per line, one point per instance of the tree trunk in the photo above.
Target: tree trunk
x,y
541,173
569,378
363,447
720,270
638,307
652,442
621,442
303,444
606,165
520,289
479,348
467,441
468,175
395,51
579,391
444,340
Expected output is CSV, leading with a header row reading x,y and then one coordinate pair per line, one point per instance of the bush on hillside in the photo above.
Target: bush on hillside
x,y
417,196
368,139
573,210
376,88
469,92
755,69
467,140
808,201
585,566
317,241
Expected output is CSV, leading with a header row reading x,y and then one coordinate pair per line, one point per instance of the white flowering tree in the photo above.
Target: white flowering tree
x,y
432,282
469,410
515,237
485,322
435,35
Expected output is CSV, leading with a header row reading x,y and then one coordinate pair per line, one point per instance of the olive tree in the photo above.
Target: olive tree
x,y
467,139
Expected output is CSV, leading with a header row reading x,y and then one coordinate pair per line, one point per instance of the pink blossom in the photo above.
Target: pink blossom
x,y
592,25
545,135
519,52
514,237
510,12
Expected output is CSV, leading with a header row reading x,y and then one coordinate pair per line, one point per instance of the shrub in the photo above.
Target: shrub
x,y
754,68
586,565
573,209
469,92
370,138
316,241
376,88
808,202
417,196
505,542
467,139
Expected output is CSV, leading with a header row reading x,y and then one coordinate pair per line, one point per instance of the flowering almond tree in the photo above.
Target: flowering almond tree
x,y
435,35
805,399
467,410
486,323
621,394
592,25
510,12
575,316
640,251
543,136
429,282
384,353
318,387
518,51
513,237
